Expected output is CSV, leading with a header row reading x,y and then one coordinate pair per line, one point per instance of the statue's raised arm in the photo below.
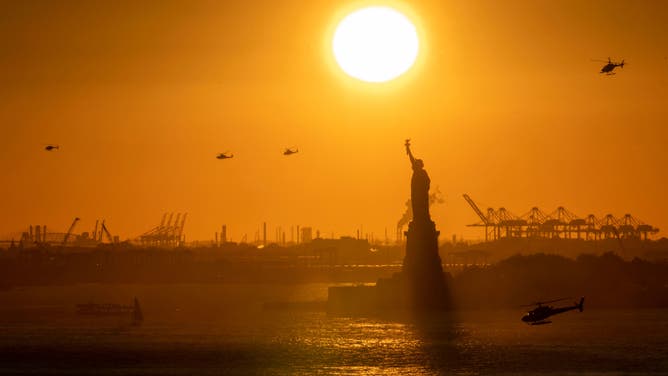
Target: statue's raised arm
x,y
408,151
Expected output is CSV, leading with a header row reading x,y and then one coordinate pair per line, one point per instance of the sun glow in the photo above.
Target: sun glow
x,y
375,44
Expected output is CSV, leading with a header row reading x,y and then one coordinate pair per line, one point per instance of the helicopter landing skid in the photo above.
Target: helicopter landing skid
x,y
541,322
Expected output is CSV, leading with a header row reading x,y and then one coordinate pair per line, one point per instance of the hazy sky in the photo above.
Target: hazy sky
x,y
504,105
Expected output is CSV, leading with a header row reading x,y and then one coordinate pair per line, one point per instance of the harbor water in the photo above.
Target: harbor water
x,y
225,329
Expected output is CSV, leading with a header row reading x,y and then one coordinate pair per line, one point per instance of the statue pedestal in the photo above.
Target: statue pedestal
x,y
420,286
426,286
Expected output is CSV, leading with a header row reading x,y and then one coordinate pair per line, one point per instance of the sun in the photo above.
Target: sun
x,y
375,44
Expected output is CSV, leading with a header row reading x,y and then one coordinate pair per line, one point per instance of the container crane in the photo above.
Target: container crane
x,y
180,234
105,230
487,221
69,231
561,223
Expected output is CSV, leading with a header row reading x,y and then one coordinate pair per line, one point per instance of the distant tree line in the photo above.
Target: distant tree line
x,y
607,281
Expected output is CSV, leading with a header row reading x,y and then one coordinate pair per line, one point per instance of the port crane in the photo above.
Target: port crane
x,y
488,220
69,232
168,233
561,223
105,230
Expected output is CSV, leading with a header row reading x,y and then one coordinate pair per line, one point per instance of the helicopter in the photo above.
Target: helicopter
x,y
52,147
539,315
224,156
290,151
610,66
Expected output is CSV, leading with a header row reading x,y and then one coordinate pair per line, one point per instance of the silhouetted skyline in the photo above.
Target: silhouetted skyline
x,y
505,103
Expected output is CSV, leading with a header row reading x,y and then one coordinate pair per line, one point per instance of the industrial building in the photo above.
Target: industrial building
x,y
37,235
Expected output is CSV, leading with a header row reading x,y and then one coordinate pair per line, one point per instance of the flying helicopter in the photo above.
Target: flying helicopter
x,y
539,315
290,151
225,155
51,147
610,66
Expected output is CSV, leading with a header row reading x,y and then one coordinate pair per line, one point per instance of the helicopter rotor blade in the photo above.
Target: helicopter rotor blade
x,y
599,60
558,300
546,302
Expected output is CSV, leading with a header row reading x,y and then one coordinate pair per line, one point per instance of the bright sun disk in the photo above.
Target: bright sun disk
x,y
375,44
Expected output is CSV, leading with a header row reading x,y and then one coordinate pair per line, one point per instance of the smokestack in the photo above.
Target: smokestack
x,y
223,234
297,234
31,235
434,198
215,242
44,234
264,233
38,233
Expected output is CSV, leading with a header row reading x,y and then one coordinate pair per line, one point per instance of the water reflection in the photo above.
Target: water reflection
x,y
223,330
439,337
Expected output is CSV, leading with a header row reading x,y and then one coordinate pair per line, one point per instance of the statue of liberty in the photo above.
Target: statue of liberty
x,y
419,188
422,267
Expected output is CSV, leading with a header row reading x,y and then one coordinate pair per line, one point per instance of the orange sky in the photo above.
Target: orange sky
x,y
505,105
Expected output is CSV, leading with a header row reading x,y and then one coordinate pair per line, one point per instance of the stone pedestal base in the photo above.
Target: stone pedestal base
x,y
422,271
421,285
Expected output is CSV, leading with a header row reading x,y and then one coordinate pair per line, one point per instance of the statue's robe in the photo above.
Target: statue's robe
x,y
420,195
